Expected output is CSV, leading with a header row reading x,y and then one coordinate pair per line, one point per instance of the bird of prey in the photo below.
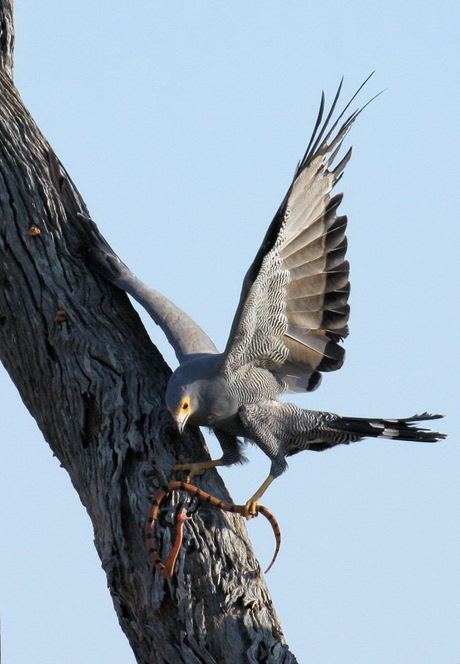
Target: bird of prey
x,y
287,329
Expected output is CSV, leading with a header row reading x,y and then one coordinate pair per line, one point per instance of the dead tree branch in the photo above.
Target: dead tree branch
x,y
90,376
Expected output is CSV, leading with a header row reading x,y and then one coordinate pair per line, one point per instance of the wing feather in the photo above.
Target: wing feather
x,y
293,310
185,336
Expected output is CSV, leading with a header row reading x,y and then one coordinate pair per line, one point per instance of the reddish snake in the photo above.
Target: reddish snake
x,y
167,569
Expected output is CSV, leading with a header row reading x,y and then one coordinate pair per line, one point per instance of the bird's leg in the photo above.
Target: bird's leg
x,y
252,504
198,468
231,449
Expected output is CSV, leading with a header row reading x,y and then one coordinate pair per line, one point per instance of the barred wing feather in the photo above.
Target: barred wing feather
x,y
293,309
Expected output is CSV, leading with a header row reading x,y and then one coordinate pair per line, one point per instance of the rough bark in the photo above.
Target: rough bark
x,y
90,376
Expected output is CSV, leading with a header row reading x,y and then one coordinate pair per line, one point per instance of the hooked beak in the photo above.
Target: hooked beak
x,y
182,412
180,420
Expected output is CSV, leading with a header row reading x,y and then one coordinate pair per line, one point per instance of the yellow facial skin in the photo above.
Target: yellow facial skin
x,y
183,412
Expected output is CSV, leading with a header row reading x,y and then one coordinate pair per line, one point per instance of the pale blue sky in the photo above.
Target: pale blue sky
x,y
181,124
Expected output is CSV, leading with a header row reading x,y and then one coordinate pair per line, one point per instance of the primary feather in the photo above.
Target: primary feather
x,y
288,327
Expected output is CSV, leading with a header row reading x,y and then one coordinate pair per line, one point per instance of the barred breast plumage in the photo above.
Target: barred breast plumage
x,y
288,327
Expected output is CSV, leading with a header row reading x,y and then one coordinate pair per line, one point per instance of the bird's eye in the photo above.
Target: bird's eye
x,y
184,406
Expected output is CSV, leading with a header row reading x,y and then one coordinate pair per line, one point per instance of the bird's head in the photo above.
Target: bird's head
x,y
183,396
181,411
197,393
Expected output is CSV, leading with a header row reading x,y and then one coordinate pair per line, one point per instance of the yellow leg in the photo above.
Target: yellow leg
x,y
197,468
252,504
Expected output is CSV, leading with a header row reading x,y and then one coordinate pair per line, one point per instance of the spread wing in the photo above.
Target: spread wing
x,y
293,309
185,336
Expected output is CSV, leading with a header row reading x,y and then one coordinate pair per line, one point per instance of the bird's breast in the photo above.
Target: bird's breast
x,y
221,397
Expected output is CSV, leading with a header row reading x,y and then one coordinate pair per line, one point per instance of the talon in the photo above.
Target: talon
x,y
197,468
251,509
193,469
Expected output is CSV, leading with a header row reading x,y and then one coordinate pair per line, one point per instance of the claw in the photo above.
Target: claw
x,y
193,469
251,509
197,468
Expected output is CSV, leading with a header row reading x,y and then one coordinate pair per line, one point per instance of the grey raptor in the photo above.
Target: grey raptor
x,y
290,320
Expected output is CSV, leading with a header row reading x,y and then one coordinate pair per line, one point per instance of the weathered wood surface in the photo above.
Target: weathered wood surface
x,y
90,376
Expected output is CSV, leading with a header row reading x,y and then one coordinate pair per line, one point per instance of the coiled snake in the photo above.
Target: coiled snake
x,y
167,569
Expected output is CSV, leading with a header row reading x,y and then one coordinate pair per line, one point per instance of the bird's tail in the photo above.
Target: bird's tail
x,y
403,429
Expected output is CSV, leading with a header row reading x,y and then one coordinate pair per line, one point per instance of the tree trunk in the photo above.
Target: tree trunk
x,y
90,376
